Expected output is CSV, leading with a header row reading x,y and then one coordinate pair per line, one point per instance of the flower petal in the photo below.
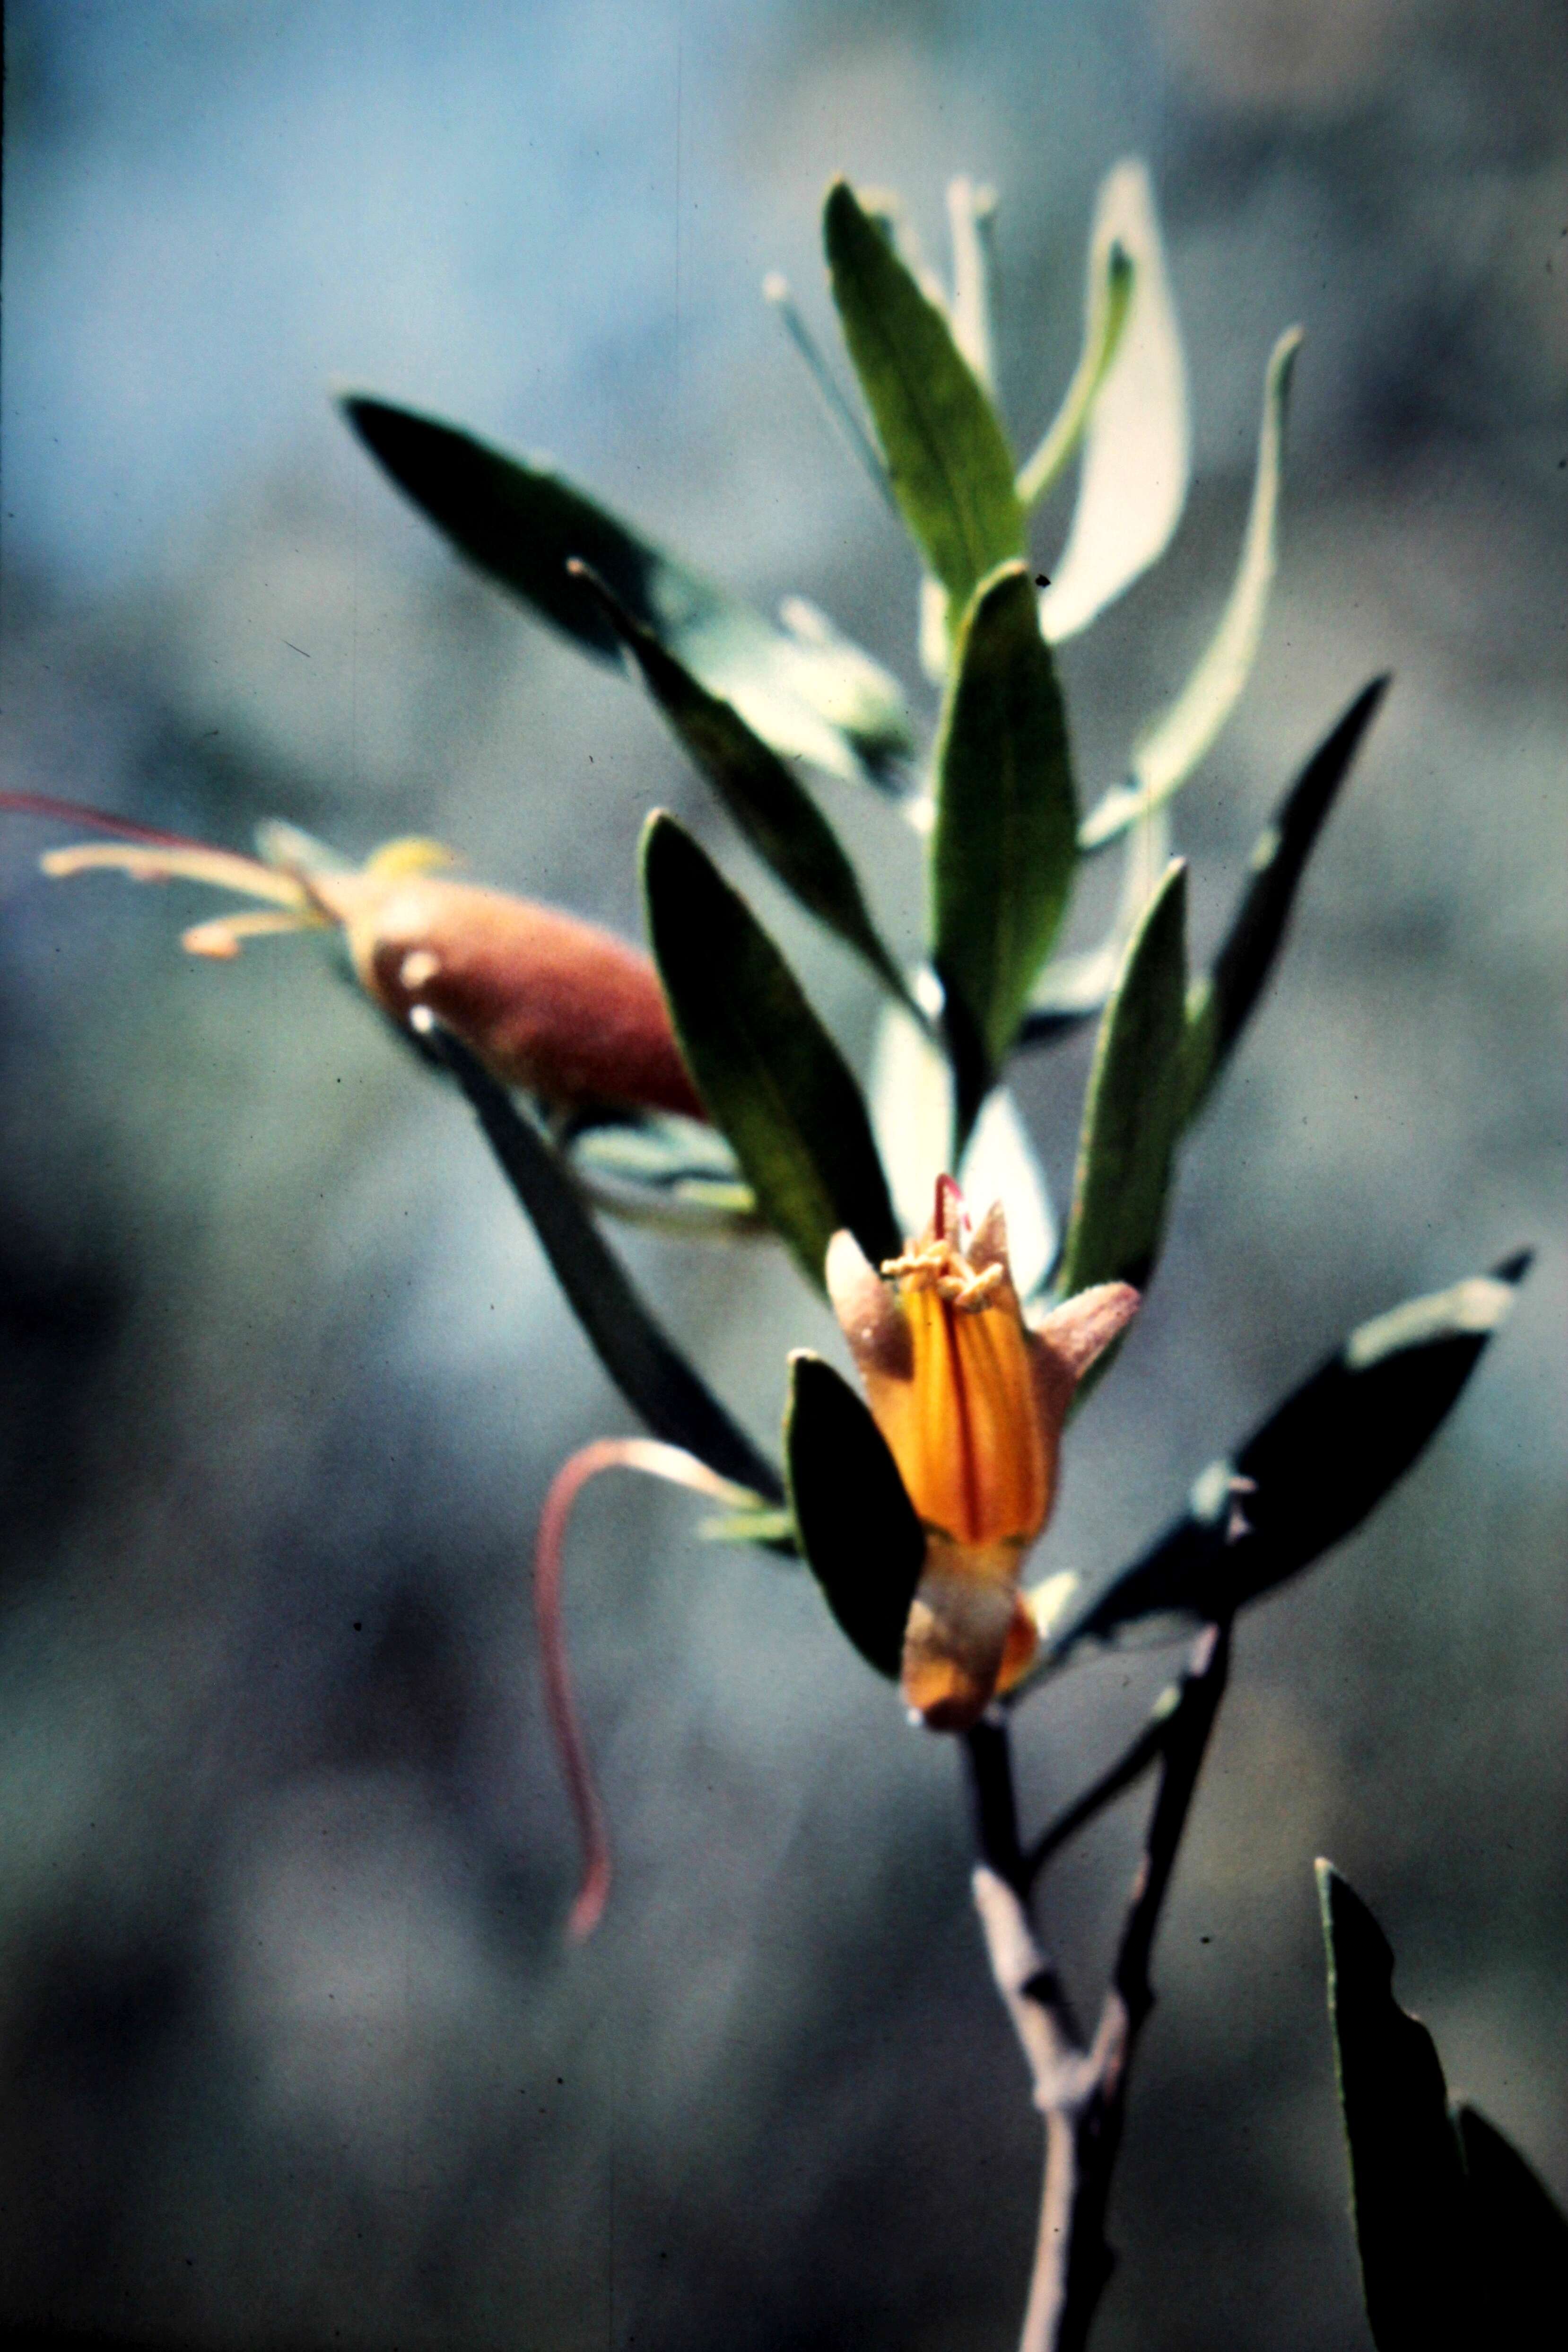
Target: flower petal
x,y
869,1313
1072,1336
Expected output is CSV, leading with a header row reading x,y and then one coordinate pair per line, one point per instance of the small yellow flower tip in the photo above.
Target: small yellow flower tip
x,y
971,1403
410,853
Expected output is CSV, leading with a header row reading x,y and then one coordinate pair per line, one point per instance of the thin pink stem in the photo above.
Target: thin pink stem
x,y
654,1460
123,828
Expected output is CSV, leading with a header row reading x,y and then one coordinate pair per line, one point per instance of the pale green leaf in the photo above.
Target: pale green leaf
x,y
1168,751
1129,398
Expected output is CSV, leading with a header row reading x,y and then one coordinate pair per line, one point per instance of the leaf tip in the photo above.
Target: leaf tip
x,y
1350,1929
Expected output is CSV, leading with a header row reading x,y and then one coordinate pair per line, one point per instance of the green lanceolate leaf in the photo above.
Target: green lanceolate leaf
x,y
644,1364
1221,1004
776,813
1407,2179
1310,1473
947,457
1168,751
1005,841
854,1521
771,1077
1134,1105
1520,2234
1136,463
521,521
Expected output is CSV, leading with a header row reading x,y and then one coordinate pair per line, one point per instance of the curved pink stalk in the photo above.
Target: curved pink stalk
x,y
123,828
654,1460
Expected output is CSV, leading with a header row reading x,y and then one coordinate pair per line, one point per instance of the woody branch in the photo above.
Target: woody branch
x,y
1080,2088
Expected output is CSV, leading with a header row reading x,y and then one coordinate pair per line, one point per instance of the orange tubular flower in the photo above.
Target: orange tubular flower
x,y
550,1002
971,1403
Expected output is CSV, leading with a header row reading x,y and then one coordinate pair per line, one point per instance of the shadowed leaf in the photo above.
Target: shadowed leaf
x,y
776,813
1166,753
1221,1004
947,458
771,1077
1005,842
1407,2179
1133,1106
521,522
1520,2237
646,1366
1310,1473
854,1523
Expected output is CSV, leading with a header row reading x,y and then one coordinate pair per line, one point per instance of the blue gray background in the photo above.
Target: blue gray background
x,y
291,2052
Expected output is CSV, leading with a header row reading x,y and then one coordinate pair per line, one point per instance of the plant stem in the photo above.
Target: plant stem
x,y
1081,2092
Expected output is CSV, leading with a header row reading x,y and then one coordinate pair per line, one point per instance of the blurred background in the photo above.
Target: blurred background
x,y
291,2050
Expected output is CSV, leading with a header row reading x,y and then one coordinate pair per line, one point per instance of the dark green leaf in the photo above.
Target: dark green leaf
x,y
1220,1006
1006,833
770,1076
776,813
947,457
1312,1472
1133,1104
1520,2238
854,1522
1407,2181
650,1372
518,520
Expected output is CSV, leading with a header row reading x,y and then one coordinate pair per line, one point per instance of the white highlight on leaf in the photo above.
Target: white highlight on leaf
x,y
1477,1306
1136,462
911,1100
1167,751
971,215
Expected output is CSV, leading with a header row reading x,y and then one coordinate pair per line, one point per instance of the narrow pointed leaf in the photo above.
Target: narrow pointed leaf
x,y
1221,1004
854,1521
520,521
772,809
1133,1106
946,455
771,1077
1311,1472
1170,751
1110,281
1407,2181
1005,841
1136,464
643,1362
1520,2234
